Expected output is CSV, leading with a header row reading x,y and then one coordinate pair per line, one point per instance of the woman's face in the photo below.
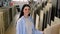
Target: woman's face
x,y
26,10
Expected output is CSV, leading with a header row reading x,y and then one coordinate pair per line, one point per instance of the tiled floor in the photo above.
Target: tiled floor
x,y
12,27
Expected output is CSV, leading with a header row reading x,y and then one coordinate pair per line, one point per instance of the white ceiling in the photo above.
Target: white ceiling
x,y
21,0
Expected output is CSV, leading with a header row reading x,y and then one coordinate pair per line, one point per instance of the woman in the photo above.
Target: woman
x,y
25,24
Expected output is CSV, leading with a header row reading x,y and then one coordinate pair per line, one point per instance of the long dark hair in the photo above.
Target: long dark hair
x,y
22,13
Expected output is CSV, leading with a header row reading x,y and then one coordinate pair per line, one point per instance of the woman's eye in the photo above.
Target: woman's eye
x,y
27,9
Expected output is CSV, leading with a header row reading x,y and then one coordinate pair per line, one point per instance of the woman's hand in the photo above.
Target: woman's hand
x,y
42,32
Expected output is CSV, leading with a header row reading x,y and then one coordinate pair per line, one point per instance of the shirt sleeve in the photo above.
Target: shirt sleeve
x,y
35,31
19,27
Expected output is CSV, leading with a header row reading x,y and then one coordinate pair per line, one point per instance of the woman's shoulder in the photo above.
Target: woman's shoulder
x,y
20,19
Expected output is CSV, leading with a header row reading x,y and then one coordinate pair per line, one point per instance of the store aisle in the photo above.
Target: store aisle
x,y
12,27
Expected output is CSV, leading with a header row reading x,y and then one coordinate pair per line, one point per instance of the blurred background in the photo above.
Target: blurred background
x,y
46,15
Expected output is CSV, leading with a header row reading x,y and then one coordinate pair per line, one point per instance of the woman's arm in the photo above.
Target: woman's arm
x,y
19,27
35,31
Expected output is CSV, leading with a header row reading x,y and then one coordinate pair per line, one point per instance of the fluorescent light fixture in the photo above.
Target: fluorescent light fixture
x,y
34,0
15,0
25,0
